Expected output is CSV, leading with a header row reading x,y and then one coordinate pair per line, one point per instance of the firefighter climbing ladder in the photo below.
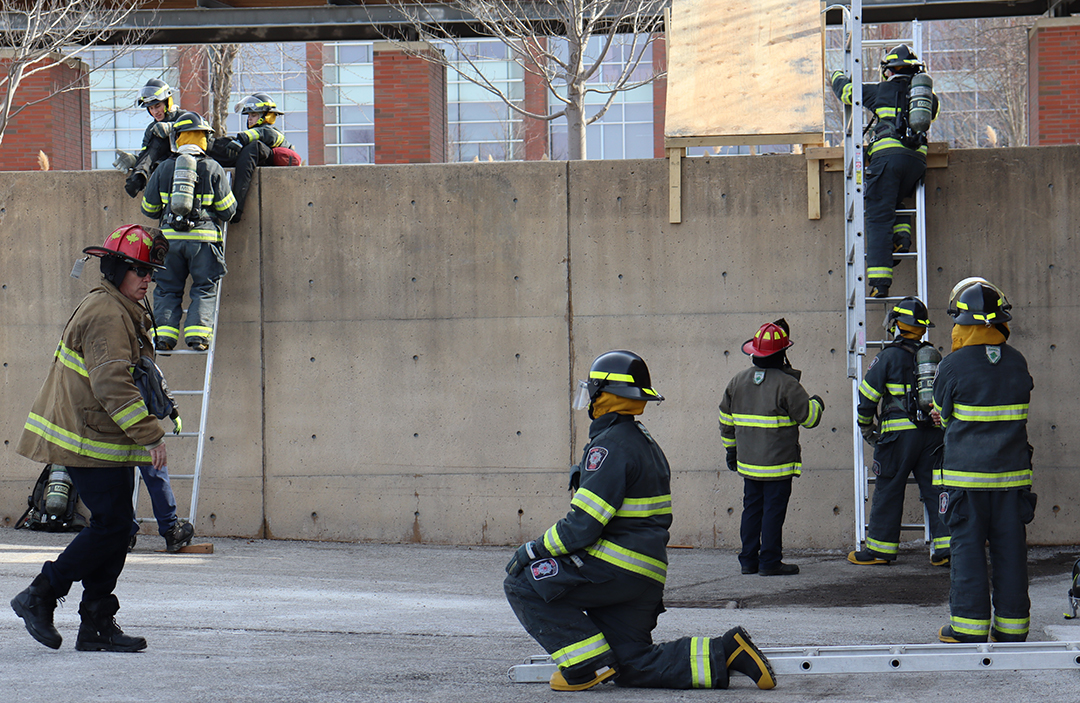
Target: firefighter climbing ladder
x,y
872,659
855,250
203,394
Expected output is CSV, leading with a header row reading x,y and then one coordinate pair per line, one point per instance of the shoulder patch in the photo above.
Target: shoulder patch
x,y
872,362
993,353
759,377
645,431
595,458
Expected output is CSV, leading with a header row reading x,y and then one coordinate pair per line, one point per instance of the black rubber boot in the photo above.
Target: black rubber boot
x,y
179,536
35,606
742,655
99,631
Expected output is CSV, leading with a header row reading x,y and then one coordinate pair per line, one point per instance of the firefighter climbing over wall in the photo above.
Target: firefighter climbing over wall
x,y
903,105
897,392
156,97
261,144
189,194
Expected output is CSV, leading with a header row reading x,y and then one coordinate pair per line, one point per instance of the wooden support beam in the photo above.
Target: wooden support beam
x,y
675,157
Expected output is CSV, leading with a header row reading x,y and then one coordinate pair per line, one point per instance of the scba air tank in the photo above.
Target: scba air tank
x,y
185,176
921,102
57,491
927,359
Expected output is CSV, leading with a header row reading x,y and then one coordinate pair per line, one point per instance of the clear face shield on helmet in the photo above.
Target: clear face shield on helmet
x,y
581,399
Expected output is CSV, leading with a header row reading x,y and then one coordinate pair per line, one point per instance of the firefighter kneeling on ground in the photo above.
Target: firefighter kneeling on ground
x,y
190,195
905,439
261,144
590,590
981,397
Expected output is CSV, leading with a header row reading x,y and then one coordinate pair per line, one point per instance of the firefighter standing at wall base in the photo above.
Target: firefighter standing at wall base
x,y
590,590
905,439
760,416
156,97
261,144
91,418
896,161
981,397
190,196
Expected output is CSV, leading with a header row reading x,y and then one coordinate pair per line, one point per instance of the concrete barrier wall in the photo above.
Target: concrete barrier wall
x,y
398,344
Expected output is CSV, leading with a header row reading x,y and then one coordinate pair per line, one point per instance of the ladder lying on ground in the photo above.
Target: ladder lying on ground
x,y
203,394
882,658
855,252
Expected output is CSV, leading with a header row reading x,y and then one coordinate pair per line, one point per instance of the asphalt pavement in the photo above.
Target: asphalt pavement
x,y
318,622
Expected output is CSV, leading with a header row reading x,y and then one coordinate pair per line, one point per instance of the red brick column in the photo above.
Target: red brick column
x,y
58,125
659,95
194,87
1053,82
536,97
410,105
316,119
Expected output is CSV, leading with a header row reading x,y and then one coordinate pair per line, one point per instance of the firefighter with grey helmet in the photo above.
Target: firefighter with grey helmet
x,y
981,398
760,415
896,155
90,418
189,195
157,97
896,421
262,143
590,589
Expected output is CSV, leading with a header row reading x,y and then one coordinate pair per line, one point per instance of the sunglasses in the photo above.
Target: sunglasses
x,y
142,271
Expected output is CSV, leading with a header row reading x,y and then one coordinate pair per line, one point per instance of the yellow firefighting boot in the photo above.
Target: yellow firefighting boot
x,y
559,683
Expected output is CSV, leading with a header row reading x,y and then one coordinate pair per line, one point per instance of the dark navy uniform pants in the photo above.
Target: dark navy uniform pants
x,y
976,518
762,531
898,456
891,176
612,614
97,554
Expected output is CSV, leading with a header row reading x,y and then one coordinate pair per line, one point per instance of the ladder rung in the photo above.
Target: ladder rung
x,y
180,352
199,392
186,434
906,211
905,254
187,476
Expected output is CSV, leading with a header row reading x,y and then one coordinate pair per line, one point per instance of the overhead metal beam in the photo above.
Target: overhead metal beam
x,y
881,11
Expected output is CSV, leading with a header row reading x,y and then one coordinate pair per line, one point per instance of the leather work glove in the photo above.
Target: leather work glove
x,y
870,434
732,462
525,554
162,129
819,400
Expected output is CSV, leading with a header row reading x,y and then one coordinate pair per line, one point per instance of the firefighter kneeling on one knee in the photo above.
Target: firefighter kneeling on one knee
x,y
590,589
898,389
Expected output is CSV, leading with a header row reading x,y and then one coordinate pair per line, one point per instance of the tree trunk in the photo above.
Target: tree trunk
x,y
221,72
575,94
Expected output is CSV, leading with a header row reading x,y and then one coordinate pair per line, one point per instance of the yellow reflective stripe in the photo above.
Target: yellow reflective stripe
x,y
644,507
869,391
65,439
278,140
152,209
251,134
988,481
582,651
727,442
883,547
628,559
553,542
865,419
942,542
164,332
1012,626
897,389
128,416
990,413
700,663
814,416
226,202
879,272
969,626
71,359
896,424
726,419
778,471
606,376
767,421
886,111
195,235
198,331
593,505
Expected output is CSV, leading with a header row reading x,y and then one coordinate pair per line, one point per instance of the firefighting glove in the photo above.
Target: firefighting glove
x,y
870,434
232,149
162,129
525,554
732,462
134,184
819,400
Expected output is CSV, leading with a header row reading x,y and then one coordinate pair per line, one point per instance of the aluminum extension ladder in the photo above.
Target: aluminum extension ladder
x,y
855,251
204,395
883,658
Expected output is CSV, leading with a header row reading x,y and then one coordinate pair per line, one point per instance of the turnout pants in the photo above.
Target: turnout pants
x,y
205,263
606,618
252,155
764,510
899,455
97,554
891,176
998,518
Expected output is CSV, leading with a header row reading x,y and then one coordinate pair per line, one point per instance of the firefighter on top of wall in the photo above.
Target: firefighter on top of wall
x,y
261,144
981,397
190,195
900,381
896,155
590,590
156,97
760,416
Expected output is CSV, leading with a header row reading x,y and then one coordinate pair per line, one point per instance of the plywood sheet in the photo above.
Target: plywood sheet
x,y
745,67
